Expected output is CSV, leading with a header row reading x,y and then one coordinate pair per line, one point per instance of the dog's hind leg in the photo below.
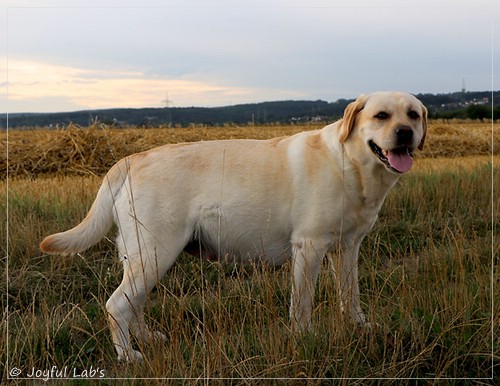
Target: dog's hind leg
x,y
142,268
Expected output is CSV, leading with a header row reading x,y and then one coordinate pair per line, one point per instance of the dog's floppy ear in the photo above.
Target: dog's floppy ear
x,y
424,126
350,113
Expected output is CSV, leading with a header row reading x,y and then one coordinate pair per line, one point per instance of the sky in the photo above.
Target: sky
x,y
67,55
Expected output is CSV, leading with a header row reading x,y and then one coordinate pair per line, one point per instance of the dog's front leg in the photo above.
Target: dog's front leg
x,y
349,286
306,264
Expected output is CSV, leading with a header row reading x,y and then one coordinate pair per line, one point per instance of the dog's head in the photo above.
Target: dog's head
x,y
390,124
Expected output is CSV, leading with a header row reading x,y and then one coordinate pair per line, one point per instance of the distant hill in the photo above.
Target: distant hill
x,y
470,104
476,105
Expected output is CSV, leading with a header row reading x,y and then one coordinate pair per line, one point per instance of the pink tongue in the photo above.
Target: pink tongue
x,y
401,162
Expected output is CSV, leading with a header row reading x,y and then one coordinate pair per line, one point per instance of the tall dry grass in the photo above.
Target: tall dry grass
x,y
425,276
93,150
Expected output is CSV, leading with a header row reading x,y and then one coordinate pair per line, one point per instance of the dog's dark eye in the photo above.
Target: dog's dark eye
x,y
413,115
382,115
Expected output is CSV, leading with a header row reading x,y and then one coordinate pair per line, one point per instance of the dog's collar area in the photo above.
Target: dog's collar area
x,y
398,160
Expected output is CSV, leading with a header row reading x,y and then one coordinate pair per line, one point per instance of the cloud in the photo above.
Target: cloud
x,y
94,89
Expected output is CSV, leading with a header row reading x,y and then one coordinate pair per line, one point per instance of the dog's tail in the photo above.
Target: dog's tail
x,y
97,222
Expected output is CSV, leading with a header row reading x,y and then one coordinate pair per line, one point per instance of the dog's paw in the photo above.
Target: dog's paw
x,y
160,337
130,356
369,326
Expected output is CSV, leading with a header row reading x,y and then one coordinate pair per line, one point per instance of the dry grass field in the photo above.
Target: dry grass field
x,y
427,273
93,150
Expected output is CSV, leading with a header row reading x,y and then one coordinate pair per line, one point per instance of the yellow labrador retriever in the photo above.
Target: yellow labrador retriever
x,y
300,198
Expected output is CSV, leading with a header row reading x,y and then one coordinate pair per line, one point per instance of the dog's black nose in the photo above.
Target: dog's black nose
x,y
404,135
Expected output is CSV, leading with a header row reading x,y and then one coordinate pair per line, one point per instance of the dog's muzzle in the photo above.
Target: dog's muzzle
x,y
398,160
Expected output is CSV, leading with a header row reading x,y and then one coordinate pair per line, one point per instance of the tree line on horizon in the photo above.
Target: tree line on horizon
x,y
462,105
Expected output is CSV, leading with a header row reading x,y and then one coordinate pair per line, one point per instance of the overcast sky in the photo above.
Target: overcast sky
x,y
68,55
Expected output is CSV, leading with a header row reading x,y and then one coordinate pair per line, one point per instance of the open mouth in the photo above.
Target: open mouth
x,y
399,160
